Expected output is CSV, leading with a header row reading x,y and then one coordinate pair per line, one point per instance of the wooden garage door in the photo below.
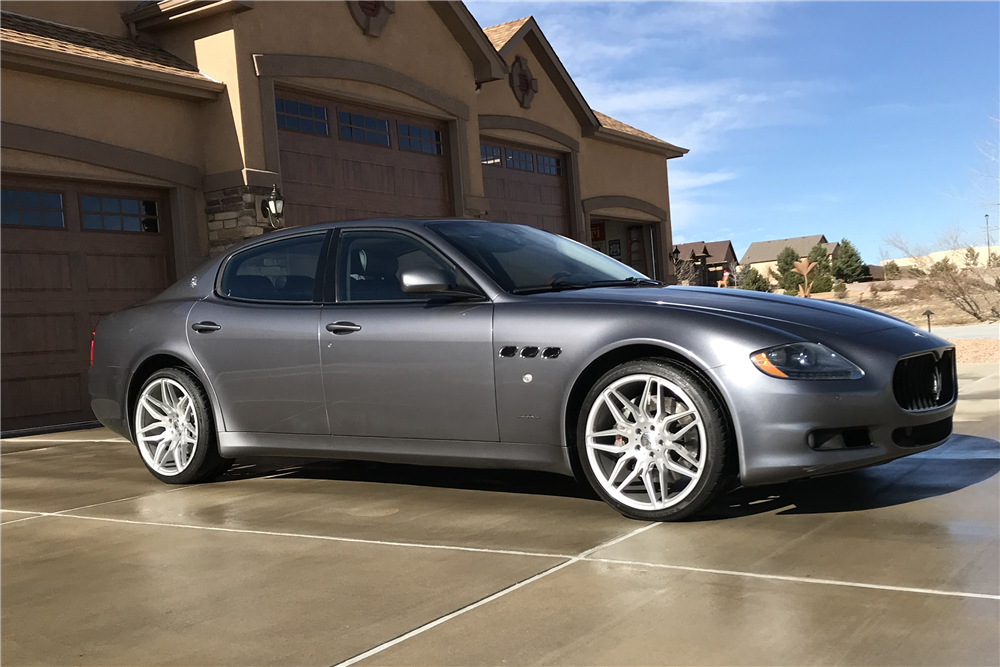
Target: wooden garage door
x,y
345,162
525,186
72,252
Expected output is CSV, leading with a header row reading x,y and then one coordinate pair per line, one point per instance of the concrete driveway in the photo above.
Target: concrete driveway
x,y
343,563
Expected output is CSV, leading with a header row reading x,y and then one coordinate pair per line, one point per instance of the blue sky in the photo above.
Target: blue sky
x,y
850,119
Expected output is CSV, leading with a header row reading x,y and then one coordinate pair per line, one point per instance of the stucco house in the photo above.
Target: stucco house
x,y
138,140
763,255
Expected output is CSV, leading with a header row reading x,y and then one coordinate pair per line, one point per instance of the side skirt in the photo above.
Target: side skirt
x,y
451,453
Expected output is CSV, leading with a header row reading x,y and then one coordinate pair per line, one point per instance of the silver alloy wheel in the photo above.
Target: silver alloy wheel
x,y
166,427
646,442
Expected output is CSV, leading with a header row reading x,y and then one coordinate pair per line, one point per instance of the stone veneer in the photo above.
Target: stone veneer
x,y
232,216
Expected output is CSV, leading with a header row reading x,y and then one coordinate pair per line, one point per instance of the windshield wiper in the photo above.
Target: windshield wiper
x,y
627,282
557,286
560,285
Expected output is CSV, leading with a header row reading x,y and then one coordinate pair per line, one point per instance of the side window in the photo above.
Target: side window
x,y
370,263
279,271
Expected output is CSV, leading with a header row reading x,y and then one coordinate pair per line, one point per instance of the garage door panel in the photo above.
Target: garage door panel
x,y
341,176
57,283
36,271
40,396
121,273
424,184
38,332
519,193
297,167
369,177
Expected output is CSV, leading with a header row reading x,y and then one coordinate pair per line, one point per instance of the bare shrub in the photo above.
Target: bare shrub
x,y
975,290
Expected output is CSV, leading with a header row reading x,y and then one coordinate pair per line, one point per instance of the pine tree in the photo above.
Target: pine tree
x,y
751,279
787,279
849,266
891,270
821,277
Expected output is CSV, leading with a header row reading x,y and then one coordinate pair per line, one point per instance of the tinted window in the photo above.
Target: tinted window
x,y
520,258
370,263
279,271
33,209
119,214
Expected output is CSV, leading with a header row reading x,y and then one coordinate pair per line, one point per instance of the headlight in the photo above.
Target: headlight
x,y
805,361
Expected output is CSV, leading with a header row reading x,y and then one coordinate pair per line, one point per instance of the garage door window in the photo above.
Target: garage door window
x,y
419,139
302,117
279,271
118,214
520,160
26,208
549,165
490,155
359,127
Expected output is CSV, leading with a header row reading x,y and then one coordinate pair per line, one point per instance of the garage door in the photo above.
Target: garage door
x,y
525,186
72,252
346,162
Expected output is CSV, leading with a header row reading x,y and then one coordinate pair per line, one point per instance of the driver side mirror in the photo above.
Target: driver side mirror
x,y
430,281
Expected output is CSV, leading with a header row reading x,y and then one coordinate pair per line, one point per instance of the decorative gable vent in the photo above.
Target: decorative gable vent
x,y
372,17
522,83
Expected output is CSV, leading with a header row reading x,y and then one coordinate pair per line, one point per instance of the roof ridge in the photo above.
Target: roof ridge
x,y
522,20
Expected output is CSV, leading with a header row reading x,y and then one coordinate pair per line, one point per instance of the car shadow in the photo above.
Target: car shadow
x,y
500,481
959,463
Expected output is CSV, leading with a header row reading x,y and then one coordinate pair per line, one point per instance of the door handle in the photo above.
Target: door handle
x,y
342,328
205,327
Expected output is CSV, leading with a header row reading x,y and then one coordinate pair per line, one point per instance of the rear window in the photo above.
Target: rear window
x,y
282,270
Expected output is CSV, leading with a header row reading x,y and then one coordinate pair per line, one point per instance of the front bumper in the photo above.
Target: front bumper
x,y
792,429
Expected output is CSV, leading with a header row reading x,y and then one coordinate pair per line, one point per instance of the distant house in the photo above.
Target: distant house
x,y
713,258
763,255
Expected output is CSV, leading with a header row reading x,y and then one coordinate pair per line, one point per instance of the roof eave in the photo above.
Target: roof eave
x,y
102,72
630,140
168,13
488,65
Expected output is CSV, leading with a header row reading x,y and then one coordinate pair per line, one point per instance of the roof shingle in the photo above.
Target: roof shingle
x,y
767,251
617,125
501,33
717,250
27,31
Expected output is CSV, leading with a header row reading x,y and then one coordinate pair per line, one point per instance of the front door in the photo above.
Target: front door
x,y
258,340
398,365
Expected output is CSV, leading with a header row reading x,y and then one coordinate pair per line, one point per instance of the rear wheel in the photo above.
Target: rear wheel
x,y
653,441
174,430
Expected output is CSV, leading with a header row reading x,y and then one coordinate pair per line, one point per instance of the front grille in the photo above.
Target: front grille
x,y
926,381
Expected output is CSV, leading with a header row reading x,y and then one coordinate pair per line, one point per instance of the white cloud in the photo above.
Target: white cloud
x,y
681,179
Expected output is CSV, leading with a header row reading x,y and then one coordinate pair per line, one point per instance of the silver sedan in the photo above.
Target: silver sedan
x,y
475,344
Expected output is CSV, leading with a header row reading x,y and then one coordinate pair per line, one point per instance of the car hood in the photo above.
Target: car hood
x,y
770,309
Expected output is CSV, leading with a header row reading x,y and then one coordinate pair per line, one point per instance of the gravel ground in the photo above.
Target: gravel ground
x,y
977,350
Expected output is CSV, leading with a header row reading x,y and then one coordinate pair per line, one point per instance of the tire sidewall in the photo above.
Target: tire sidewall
x,y
715,438
205,444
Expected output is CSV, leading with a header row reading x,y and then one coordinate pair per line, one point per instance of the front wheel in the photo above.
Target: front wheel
x,y
653,441
174,430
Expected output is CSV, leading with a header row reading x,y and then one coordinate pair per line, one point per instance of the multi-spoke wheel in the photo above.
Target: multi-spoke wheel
x,y
173,429
652,441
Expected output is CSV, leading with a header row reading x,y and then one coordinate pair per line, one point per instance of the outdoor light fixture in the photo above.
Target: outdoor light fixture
x,y
676,255
273,206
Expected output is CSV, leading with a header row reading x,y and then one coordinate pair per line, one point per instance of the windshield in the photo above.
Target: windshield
x,y
524,259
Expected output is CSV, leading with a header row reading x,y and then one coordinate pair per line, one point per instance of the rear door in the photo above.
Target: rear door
x,y
400,365
258,338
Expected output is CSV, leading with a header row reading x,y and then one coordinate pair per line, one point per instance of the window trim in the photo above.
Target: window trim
x,y
63,210
334,289
317,288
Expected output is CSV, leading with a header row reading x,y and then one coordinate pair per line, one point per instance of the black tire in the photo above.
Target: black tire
x,y
720,465
206,463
